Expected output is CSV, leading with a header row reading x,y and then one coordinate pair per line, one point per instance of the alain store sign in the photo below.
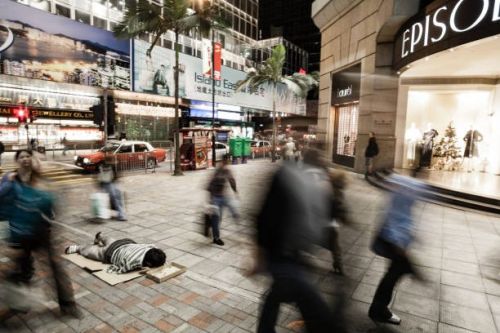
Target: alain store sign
x,y
345,85
445,24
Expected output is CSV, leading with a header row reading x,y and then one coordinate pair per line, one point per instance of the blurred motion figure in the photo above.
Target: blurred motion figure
x,y
290,221
392,242
29,208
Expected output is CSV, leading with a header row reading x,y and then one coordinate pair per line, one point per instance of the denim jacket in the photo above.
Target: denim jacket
x,y
28,209
398,224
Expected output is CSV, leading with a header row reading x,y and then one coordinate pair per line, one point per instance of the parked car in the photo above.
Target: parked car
x,y
127,154
221,150
263,148
260,148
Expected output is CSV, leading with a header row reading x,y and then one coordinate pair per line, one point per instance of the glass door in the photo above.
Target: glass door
x,y
346,133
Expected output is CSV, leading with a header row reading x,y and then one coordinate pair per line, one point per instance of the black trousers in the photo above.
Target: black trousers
x,y
24,270
290,286
400,265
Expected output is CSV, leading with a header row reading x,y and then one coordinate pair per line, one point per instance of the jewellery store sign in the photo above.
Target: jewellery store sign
x,y
9,111
445,24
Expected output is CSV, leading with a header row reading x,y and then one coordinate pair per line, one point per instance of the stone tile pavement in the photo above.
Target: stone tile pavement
x,y
457,251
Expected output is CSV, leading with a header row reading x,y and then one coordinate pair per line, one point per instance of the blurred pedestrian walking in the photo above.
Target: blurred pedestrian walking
x,y
107,181
2,150
290,149
29,208
331,184
64,143
339,215
286,229
219,197
371,152
392,242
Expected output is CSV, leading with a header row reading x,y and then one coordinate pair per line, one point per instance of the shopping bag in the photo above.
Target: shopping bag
x,y
209,211
100,205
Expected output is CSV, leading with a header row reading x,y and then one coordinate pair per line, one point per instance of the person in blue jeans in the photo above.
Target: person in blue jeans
x,y
219,198
107,181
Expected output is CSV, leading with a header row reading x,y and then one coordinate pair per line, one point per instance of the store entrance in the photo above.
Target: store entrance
x,y
346,134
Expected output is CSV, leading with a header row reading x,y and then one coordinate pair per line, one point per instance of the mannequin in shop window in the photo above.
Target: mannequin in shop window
x,y
472,138
412,137
427,146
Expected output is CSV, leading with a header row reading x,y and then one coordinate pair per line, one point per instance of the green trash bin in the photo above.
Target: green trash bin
x,y
235,149
246,149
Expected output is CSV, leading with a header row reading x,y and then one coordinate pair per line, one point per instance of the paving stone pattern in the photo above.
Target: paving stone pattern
x,y
457,251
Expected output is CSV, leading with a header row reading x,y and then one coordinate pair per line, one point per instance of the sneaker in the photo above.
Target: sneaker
x,y
97,239
393,319
219,242
122,219
71,249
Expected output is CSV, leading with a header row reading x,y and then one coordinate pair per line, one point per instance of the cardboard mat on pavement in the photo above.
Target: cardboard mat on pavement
x,y
98,269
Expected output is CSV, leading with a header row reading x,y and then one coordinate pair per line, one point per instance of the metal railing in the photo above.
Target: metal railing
x,y
147,161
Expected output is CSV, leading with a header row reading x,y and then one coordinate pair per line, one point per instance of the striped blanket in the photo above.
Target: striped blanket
x,y
128,257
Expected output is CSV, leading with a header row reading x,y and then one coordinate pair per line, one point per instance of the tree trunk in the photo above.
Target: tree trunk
x,y
177,169
273,153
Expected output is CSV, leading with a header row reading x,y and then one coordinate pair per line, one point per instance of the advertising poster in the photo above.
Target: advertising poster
x,y
155,74
217,61
39,45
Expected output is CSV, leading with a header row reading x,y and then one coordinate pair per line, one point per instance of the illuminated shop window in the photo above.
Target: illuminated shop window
x,y
347,129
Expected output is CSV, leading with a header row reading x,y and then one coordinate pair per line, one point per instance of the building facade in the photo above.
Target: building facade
x,y
420,74
290,20
59,69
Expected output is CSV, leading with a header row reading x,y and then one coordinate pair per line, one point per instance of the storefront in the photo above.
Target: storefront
x,y
145,116
345,107
449,94
56,110
428,83
227,117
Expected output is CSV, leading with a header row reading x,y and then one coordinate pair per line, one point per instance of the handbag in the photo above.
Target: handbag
x,y
382,248
208,214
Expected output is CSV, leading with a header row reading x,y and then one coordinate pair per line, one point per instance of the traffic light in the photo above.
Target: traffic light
x,y
22,114
98,112
111,116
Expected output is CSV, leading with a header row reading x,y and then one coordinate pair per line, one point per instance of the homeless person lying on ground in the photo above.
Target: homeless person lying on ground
x,y
124,255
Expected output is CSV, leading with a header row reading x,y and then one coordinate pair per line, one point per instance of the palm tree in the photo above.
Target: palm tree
x,y
270,73
142,17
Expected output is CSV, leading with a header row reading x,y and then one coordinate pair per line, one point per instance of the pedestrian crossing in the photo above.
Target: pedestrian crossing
x,y
58,175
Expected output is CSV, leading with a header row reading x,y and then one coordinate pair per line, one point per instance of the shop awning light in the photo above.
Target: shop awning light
x,y
44,91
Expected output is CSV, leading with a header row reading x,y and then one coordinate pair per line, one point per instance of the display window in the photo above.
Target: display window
x,y
452,129
346,133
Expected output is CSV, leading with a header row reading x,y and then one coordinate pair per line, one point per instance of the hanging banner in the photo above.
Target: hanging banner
x,y
217,61
206,57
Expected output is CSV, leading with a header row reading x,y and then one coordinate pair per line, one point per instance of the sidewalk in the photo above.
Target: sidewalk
x,y
459,252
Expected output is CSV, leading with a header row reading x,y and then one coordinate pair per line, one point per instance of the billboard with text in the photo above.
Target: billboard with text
x,y
155,75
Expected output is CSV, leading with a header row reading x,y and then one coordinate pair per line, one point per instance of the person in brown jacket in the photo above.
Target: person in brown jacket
x,y
218,197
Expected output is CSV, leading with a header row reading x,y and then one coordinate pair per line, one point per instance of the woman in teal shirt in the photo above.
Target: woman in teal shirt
x,y
29,210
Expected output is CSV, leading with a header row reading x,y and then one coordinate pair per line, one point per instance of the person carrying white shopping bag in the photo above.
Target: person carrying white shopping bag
x,y
107,181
